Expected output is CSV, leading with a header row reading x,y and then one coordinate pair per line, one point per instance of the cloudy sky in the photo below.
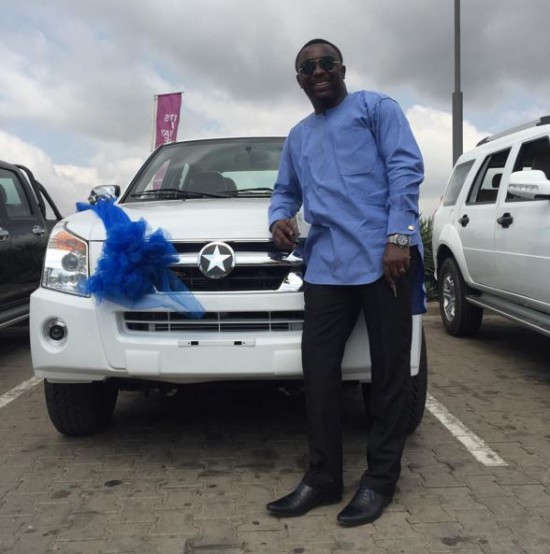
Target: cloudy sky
x,y
79,76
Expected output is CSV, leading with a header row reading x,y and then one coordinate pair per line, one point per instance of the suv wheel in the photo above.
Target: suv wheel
x,y
460,318
82,408
419,392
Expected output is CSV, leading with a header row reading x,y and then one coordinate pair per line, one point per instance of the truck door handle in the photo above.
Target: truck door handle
x,y
464,220
38,231
4,234
505,220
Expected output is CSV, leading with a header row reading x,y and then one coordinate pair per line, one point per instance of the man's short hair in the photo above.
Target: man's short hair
x,y
317,41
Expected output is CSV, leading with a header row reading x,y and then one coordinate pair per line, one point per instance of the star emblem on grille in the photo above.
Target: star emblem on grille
x,y
216,260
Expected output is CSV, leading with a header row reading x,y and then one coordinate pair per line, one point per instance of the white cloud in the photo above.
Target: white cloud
x,y
67,184
238,118
79,77
433,132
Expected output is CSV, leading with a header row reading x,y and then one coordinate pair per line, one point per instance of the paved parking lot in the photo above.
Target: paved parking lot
x,y
191,472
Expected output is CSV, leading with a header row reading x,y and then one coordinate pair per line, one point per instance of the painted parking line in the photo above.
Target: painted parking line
x,y
17,391
476,446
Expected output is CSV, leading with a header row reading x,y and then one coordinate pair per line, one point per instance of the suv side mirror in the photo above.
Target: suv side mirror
x,y
103,191
531,184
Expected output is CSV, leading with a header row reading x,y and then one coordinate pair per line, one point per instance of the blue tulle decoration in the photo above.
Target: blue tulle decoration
x,y
134,265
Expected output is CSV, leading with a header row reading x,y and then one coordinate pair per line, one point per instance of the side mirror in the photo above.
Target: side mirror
x,y
531,184
103,192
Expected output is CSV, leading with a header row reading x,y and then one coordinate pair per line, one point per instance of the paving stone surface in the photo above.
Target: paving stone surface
x,y
191,473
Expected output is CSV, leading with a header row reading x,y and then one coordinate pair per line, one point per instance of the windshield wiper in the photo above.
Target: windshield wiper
x,y
258,191
173,194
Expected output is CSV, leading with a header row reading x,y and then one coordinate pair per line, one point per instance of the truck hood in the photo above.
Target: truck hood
x,y
187,220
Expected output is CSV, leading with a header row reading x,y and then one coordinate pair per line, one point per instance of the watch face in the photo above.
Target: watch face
x,y
403,240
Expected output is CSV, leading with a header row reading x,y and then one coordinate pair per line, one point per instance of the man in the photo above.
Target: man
x,y
356,168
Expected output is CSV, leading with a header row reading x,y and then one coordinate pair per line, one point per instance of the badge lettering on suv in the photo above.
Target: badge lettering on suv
x,y
216,260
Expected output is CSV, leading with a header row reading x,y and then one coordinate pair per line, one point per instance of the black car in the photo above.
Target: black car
x,y
27,215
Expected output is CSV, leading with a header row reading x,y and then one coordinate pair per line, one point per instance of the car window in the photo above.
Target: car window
x,y
532,155
455,183
250,179
16,204
485,187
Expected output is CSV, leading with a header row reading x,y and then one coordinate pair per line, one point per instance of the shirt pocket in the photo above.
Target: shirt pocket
x,y
356,151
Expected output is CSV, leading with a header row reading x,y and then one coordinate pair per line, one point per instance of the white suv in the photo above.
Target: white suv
x,y
491,233
211,198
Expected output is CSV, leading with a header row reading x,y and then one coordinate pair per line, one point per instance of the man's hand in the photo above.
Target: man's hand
x,y
285,233
396,263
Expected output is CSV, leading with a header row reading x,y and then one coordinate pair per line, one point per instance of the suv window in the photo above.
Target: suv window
x,y
455,183
13,196
532,155
484,189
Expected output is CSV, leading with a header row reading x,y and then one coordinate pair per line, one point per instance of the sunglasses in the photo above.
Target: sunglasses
x,y
326,63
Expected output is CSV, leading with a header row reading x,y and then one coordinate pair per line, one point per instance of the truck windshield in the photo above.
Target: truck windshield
x,y
219,168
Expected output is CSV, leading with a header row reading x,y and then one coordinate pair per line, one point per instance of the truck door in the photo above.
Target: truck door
x,y
23,239
522,236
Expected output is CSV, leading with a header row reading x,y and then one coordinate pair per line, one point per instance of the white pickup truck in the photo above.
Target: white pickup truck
x,y
211,198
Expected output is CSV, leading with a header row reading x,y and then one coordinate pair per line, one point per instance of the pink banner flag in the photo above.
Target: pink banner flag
x,y
168,118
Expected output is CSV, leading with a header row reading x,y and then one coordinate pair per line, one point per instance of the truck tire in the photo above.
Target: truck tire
x,y
82,408
419,392
460,318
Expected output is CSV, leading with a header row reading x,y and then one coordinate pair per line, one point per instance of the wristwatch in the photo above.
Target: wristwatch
x,y
401,240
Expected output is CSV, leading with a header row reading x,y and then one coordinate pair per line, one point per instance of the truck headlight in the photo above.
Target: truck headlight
x,y
66,263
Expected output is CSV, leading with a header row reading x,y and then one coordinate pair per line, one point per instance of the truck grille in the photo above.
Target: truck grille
x,y
215,322
244,278
259,266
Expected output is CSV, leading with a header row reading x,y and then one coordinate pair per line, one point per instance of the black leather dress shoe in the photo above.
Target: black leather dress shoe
x,y
365,507
303,499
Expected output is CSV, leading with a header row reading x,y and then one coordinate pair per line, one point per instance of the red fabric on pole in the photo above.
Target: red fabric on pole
x,y
168,117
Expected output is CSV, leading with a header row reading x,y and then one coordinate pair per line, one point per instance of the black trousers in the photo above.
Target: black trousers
x,y
330,314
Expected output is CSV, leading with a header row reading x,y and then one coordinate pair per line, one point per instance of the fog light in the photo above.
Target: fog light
x,y
55,331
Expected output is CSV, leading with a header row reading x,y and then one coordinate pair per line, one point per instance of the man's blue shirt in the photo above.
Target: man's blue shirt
x,y
356,169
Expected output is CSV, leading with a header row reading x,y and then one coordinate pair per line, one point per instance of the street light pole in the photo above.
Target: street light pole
x,y
457,94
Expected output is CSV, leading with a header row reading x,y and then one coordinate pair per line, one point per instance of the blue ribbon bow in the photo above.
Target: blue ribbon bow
x,y
134,268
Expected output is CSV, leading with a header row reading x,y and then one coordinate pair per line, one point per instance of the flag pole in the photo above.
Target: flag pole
x,y
458,115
